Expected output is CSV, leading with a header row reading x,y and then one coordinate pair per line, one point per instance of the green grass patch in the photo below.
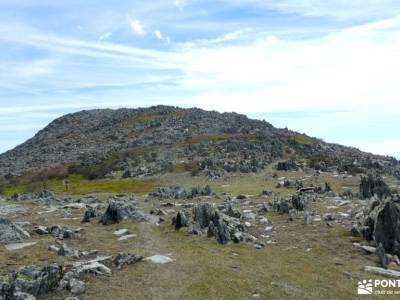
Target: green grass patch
x,y
79,185
304,139
142,119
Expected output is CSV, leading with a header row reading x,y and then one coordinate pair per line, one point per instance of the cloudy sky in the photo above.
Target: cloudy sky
x,y
327,68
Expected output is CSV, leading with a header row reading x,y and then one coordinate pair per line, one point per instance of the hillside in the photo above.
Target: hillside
x,y
171,203
147,141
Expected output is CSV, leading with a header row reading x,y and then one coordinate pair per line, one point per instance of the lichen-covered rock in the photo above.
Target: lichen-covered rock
x,y
181,220
122,209
204,214
9,232
287,165
29,281
90,213
387,227
372,185
126,259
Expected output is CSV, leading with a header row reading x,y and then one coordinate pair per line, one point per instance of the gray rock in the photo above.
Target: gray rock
x,y
372,185
90,213
204,214
17,246
387,227
383,272
76,286
383,259
29,281
121,209
9,232
126,259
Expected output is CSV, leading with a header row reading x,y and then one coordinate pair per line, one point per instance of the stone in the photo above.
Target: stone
x,y
126,237
382,271
64,250
219,229
9,232
299,202
181,220
119,210
17,246
387,227
121,232
382,257
159,259
204,214
34,280
372,185
76,286
41,230
90,213
126,259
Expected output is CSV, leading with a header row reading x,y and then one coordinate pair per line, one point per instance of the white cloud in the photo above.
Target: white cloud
x,y
160,36
339,9
137,27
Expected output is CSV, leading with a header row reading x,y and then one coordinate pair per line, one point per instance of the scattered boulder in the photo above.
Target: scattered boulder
x,y
177,192
287,165
90,213
30,281
121,209
10,232
383,259
387,227
126,259
372,185
299,202
63,232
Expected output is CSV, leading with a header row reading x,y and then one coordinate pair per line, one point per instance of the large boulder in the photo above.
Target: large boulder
x,y
122,209
387,227
29,281
287,165
372,185
204,214
9,232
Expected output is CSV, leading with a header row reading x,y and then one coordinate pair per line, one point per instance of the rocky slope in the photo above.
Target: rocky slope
x,y
147,141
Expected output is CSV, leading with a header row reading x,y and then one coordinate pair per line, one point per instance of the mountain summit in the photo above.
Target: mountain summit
x,y
147,141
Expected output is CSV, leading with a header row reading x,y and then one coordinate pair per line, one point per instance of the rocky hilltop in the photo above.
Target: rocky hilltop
x,y
146,141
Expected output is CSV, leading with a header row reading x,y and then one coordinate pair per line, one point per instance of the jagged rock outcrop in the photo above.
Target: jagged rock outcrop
x,y
387,227
205,217
122,209
372,185
381,224
177,192
29,281
288,165
9,232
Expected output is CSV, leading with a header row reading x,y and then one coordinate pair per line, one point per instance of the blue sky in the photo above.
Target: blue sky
x,y
327,68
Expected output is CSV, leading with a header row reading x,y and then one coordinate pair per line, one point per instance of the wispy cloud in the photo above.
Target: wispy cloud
x,y
137,27
241,55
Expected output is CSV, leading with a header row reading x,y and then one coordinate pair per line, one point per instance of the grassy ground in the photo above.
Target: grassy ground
x,y
307,261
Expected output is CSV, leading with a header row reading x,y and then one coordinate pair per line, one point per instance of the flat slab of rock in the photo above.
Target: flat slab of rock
x,y
159,259
381,271
10,232
17,246
121,232
125,237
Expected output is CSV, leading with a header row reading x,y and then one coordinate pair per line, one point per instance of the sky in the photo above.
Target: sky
x,y
330,69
